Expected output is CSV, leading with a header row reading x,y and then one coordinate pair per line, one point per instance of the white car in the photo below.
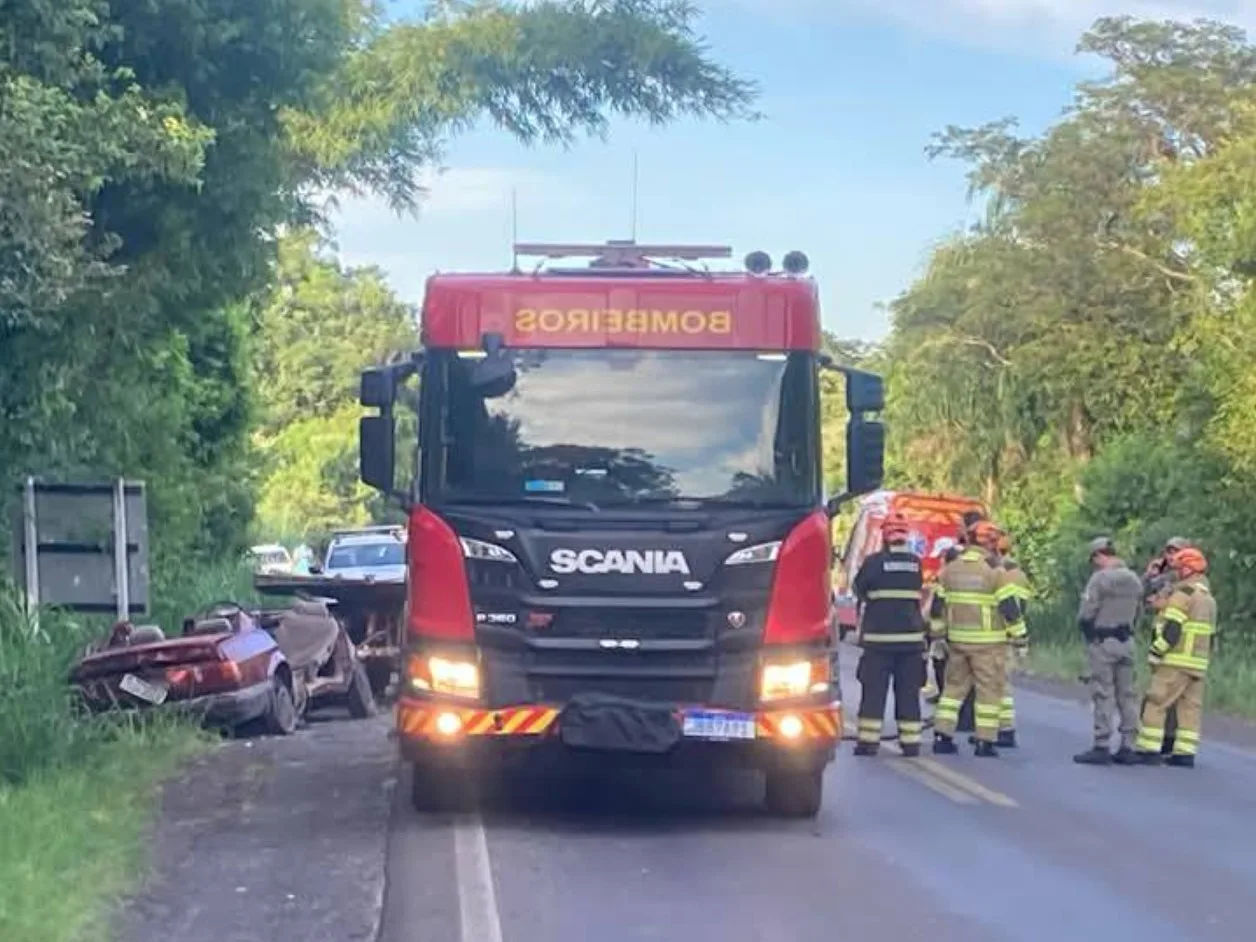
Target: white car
x,y
376,554
271,559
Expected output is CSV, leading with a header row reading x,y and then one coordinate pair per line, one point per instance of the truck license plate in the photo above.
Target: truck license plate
x,y
715,724
139,687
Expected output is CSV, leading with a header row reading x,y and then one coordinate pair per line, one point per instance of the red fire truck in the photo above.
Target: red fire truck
x,y
618,545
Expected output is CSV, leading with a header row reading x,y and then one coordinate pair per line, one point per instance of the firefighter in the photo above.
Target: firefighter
x,y
1158,581
1181,646
937,649
975,614
1016,653
1106,616
892,633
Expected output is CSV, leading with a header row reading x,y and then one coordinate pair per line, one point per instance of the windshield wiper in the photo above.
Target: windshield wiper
x,y
699,503
525,499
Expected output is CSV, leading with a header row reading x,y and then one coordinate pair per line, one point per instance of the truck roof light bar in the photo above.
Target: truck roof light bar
x,y
622,253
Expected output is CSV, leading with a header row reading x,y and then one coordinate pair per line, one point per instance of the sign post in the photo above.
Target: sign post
x,y
83,547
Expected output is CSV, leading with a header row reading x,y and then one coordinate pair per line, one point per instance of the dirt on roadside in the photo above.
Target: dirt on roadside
x,y
275,838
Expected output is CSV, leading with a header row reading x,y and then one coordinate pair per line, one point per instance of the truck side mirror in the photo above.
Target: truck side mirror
x,y
494,375
865,392
377,451
865,456
378,389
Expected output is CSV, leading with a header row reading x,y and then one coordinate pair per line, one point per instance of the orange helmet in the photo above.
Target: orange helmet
x,y
1189,561
985,534
894,529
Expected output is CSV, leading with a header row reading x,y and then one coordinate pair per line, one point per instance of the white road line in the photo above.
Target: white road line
x,y
477,902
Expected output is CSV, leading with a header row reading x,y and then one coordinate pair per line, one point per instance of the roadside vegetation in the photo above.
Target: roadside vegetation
x,y
168,311
1081,357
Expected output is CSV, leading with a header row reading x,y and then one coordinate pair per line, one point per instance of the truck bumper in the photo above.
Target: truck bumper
x,y
442,734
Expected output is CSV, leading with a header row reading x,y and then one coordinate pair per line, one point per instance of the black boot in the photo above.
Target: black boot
x,y
944,745
1007,739
1125,756
986,750
1098,755
910,749
866,748
1181,762
1148,758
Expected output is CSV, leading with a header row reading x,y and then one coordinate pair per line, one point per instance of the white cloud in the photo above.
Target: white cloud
x,y
1048,27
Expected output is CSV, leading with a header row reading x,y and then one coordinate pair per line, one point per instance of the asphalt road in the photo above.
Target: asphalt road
x,y
1028,847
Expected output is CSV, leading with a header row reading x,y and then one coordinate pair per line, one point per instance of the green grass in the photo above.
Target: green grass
x,y
71,837
1231,678
77,791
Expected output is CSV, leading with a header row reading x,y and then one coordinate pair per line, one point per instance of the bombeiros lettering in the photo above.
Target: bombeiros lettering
x,y
621,321
596,562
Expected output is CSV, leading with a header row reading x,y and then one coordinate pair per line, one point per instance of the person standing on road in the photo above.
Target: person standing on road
x,y
892,634
1108,612
1016,653
1180,653
1158,581
974,613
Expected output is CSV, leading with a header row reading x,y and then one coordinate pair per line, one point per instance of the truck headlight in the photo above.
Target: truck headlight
x,y
445,676
490,552
789,680
763,553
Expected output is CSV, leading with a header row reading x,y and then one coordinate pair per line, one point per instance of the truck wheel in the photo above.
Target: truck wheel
x,y
361,700
281,715
795,794
441,790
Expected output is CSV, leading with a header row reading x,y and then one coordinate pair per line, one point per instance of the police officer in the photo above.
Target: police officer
x,y
892,633
1181,649
1107,615
975,613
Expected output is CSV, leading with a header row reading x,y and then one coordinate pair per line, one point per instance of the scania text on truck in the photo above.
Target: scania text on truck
x,y
618,544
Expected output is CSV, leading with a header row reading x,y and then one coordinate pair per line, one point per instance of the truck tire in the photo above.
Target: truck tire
x,y
437,790
795,794
361,700
282,717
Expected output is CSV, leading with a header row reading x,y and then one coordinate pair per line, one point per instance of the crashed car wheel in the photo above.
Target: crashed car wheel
x,y
361,700
441,790
281,716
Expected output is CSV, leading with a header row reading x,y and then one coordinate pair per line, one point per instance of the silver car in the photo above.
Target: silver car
x,y
375,554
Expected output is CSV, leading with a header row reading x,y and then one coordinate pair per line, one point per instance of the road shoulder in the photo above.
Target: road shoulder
x,y
276,838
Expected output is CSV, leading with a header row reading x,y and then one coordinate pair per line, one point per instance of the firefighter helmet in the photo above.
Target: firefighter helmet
x,y
1189,562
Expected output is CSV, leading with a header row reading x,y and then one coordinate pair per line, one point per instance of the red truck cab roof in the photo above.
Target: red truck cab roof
x,y
629,305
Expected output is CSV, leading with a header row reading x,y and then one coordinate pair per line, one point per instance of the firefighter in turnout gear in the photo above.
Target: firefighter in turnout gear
x,y
937,649
1016,653
1181,648
975,613
892,633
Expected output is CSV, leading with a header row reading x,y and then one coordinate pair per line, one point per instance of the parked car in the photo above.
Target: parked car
x,y
376,554
271,559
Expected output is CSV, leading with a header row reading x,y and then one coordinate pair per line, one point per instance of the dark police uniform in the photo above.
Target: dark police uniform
x,y
892,633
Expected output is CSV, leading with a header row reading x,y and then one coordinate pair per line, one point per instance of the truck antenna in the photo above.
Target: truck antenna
x,y
514,229
633,226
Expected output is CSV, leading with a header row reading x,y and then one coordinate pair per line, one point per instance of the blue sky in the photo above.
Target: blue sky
x,y
852,90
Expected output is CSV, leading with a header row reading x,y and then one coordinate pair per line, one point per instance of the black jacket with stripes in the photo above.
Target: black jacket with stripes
x,y
889,585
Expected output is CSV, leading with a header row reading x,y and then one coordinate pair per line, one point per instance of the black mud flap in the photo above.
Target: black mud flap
x,y
599,721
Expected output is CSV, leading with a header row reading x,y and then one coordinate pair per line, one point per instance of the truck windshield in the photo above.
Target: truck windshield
x,y
613,427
